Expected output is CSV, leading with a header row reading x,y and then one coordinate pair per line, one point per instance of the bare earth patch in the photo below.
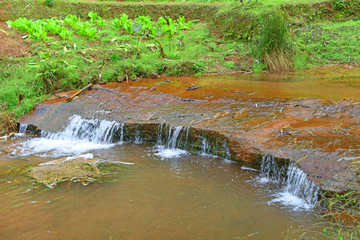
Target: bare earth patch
x,y
11,43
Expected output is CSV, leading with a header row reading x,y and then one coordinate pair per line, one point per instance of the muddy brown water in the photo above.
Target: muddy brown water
x,y
191,197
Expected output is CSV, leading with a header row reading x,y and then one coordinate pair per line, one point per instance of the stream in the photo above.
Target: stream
x,y
163,192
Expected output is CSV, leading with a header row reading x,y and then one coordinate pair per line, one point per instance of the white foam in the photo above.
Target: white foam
x,y
79,136
19,135
208,155
57,147
296,190
288,199
163,152
83,156
23,127
249,169
263,180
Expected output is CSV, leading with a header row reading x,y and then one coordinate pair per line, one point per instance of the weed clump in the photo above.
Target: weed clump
x,y
49,3
272,44
7,123
338,219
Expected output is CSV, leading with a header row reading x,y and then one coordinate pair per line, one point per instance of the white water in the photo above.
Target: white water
x,y
92,130
173,137
298,191
83,136
169,150
137,139
22,130
206,147
165,152
23,127
295,190
79,136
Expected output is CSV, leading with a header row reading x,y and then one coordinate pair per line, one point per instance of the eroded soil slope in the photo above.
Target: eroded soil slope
x,y
11,43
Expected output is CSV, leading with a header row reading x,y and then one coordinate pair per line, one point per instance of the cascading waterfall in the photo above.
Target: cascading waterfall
x,y
138,139
169,148
270,170
298,185
23,127
84,135
92,130
122,133
159,134
296,190
206,147
186,137
173,137
79,136
226,155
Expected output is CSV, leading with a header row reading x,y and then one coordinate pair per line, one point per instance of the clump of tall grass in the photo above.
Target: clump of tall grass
x,y
272,46
7,123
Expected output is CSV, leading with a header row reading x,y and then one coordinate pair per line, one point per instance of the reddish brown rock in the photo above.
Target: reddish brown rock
x,y
249,113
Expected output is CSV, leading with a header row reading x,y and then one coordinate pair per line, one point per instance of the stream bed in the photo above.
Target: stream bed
x,y
162,193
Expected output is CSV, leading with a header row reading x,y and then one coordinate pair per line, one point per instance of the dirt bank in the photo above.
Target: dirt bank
x,y
11,44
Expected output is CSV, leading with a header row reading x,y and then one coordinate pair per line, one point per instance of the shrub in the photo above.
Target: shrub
x,y
272,44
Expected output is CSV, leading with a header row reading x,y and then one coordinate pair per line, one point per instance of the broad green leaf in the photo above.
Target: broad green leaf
x,y
136,27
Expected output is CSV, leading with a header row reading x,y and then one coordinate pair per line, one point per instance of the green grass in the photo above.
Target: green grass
x,y
111,55
116,55
260,2
272,43
328,42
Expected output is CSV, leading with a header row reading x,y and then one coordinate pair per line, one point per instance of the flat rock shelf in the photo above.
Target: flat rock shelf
x,y
240,117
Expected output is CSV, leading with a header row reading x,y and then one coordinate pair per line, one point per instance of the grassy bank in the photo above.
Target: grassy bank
x,y
111,53
223,38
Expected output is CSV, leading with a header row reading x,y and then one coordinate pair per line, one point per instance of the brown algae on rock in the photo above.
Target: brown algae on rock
x,y
79,168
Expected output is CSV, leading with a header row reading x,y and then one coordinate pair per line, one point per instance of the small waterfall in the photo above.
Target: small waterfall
x,y
138,139
122,132
79,136
206,147
23,127
159,134
226,154
220,148
270,170
186,137
173,137
294,183
298,185
83,129
168,148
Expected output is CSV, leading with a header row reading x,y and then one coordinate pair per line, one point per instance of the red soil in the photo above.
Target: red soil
x,y
11,43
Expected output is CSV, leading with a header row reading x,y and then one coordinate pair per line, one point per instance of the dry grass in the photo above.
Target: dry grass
x,y
280,59
7,123
272,46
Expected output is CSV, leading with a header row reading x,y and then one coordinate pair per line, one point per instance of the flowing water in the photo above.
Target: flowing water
x,y
167,193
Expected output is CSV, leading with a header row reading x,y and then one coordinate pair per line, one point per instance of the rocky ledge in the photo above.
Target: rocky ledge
x,y
253,117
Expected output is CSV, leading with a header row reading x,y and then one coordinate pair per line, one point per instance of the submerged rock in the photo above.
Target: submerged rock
x,y
80,168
